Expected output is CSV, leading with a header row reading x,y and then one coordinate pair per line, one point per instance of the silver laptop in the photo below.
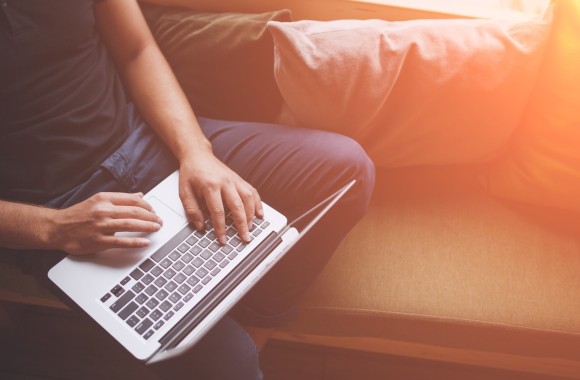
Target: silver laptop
x,y
160,300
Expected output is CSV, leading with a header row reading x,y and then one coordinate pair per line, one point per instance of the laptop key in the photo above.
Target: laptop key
x,y
148,335
184,289
192,280
166,263
188,270
197,262
137,274
178,265
187,257
147,279
125,280
161,295
169,273
175,297
128,310
178,306
201,272
146,265
168,315
160,281
106,297
138,287
117,290
132,322
180,278
152,303
156,271
210,264
166,305
142,312
155,315
141,299
197,288
192,240
158,325
143,326
176,255
195,250
151,289
183,247
122,301
171,286
204,242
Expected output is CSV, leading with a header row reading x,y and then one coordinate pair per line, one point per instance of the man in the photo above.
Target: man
x,y
76,157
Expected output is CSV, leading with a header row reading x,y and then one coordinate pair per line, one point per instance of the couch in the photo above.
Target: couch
x,y
441,271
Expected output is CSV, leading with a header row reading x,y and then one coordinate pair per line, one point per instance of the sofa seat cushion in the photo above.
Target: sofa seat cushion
x,y
438,262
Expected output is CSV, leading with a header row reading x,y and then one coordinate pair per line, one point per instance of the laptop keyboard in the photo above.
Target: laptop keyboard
x,y
171,277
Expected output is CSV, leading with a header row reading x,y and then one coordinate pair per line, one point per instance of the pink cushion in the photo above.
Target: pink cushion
x,y
411,92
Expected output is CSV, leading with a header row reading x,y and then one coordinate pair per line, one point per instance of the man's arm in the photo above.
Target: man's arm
x,y
159,98
87,227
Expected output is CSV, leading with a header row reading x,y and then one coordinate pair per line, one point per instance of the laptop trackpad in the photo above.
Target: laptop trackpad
x,y
172,223
170,217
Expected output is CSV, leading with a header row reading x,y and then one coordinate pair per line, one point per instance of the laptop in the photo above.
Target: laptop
x,y
160,300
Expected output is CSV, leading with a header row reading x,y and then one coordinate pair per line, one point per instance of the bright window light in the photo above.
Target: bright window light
x,y
526,6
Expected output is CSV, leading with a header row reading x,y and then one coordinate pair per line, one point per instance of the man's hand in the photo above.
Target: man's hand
x,y
90,226
205,178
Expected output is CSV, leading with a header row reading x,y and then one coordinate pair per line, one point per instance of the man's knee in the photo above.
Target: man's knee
x,y
344,160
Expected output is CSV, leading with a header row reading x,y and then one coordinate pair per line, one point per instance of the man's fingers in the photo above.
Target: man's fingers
x,y
191,206
129,225
133,212
125,199
215,207
242,211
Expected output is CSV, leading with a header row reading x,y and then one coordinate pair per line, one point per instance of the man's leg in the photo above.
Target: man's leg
x,y
293,169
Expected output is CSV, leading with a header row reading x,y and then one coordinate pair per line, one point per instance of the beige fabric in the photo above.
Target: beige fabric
x,y
434,247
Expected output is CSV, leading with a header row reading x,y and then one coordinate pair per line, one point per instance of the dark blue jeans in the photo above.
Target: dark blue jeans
x,y
292,169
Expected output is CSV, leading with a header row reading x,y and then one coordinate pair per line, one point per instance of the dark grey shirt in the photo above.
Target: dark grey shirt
x,y
62,105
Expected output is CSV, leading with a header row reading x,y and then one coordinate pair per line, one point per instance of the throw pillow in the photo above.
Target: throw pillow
x,y
411,92
223,61
543,166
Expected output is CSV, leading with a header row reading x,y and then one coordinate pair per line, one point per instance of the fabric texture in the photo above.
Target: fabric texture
x,y
543,166
411,92
223,61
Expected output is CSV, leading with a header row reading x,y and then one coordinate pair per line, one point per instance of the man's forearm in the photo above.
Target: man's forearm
x,y
24,226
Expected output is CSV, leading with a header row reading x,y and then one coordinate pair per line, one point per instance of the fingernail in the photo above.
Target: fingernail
x,y
223,240
199,226
160,221
157,226
247,237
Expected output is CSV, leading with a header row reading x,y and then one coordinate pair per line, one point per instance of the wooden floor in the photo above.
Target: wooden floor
x,y
45,343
